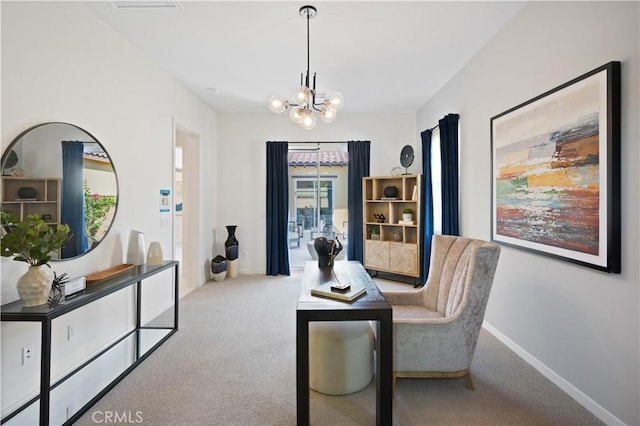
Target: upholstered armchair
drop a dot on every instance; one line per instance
(436, 328)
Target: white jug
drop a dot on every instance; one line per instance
(136, 248)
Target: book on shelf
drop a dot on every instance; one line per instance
(414, 196)
(389, 198)
(352, 293)
(405, 222)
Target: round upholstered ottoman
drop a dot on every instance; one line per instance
(340, 356)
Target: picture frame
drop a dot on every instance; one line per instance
(555, 162)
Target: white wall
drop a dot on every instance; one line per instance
(242, 166)
(578, 325)
(61, 63)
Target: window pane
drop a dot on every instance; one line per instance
(436, 178)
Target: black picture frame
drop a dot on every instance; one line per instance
(555, 180)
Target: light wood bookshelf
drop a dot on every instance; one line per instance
(390, 246)
(46, 202)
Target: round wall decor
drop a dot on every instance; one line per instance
(406, 156)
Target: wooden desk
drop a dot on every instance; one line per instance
(372, 306)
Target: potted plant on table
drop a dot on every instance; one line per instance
(407, 214)
(32, 241)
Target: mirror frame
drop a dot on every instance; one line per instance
(17, 139)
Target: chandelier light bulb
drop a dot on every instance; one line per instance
(303, 95)
(297, 114)
(309, 120)
(328, 115)
(277, 104)
(336, 100)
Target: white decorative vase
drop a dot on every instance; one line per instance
(34, 286)
(136, 248)
(219, 276)
(232, 268)
(155, 256)
(407, 216)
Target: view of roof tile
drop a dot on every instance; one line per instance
(311, 158)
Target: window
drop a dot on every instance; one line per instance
(436, 179)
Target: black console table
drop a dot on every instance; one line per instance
(45, 314)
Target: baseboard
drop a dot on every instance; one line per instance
(588, 403)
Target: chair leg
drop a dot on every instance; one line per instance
(467, 381)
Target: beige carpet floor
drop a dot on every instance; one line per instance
(233, 363)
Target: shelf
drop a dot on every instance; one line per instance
(397, 248)
(46, 202)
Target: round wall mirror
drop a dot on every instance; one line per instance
(62, 173)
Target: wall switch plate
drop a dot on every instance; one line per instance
(70, 410)
(26, 355)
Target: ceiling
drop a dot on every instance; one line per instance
(383, 56)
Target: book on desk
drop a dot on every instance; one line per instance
(331, 290)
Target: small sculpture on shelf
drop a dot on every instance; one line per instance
(379, 217)
(57, 294)
(327, 251)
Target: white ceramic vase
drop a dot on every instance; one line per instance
(136, 248)
(232, 268)
(219, 276)
(154, 255)
(407, 216)
(34, 286)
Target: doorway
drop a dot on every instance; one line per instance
(317, 198)
(186, 201)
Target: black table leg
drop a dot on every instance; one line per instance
(302, 369)
(45, 372)
(384, 371)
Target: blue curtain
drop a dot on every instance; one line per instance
(449, 152)
(72, 210)
(277, 208)
(426, 214)
(358, 168)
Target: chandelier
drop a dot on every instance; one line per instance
(306, 101)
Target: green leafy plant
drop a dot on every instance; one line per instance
(31, 240)
(407, 211)
(96, 210)
(374, 230)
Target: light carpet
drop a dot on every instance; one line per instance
(232, 362)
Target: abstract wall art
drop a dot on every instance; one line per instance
(556, 172)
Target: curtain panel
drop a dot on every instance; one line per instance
(426, 214)
(450, 181)
(72, 209)
(449, 170)
(277, 195)
(359, 163)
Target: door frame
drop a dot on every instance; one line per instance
(190, 143)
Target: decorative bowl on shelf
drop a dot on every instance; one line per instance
(390, 192)
(26, 192)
